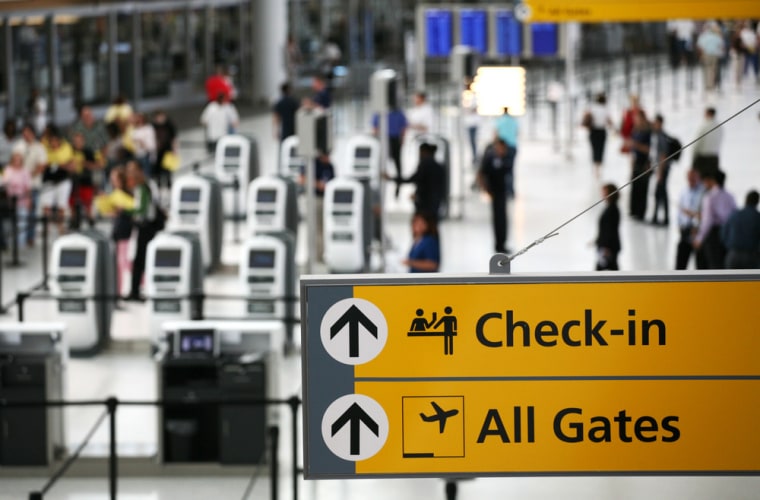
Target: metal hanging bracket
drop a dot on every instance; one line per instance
(500, 264)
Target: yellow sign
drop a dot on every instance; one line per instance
(590, 11)
(671, 426)
(511, 376)
(568, 329)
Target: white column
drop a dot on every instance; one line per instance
(270, 26)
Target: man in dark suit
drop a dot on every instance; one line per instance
(496, 179)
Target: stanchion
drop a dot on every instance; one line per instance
(112, 404)
(293, 402)
(20, 299)
(274, 464)
(236, 209)
(45, 244)
(15, 262)
(35, 495)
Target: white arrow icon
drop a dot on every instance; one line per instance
(353, 331)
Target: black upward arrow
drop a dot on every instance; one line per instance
(355, 416)
(353, 317)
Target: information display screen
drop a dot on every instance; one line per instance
(545, 39)
(343, 196)
(362, 153)
(168, 258)
(196, 342)
(190, 195)
(73, 258)
(437, 33)
(266, 196)
(261, 259)
(473, 29)
(232, 152)
(508, 34)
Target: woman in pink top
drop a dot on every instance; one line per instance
(18, 185)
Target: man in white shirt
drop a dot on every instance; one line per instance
(708, 144)
(35, 161)
(420, 117)
(220, 118)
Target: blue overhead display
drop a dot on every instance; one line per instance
(508, 34)
(545, 39)
(437, 33)
(473, 29)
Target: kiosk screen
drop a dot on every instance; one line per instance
(232, 152)
(266, 196)
(190, 196)
(362, 153)
(343, 196)
(196, 342)
(73, 258)
(168, 258)
(261, 259)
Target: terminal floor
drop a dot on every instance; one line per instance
(550, 190)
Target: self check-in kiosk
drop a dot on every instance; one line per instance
(83, 279)
(272, 206)
(174, 278)
(216, 360)
(362, 160)
(267, 279)
(291, 163)
(347, 227)
(33, 359)
(196, 207)
(236, 163)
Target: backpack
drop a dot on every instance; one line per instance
(673, 148)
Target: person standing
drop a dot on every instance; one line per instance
(166, 142)
(322, 97)
(425, 254)
(709, 140)
(93, 131)
(430, 182)
(420, 115)
(7, 141)
(218, 117)
(741, 235)
(717, 207)
(87, 163)
(121, 231)
(397, 125)
(144, 140)
(660, 149)
(56, 179)
(324, 171)
(471, 119)
(688, 219)
(18, 185)
(598, 119)
(144, 220)
(749, 40)
(640, 145)
(608, 238)
(496, 178)
(284, 113)
(35, 160)
(711, 50)
(628, 122)
(508, 130)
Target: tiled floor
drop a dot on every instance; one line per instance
(550, 190)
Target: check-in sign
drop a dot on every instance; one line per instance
(590, 11)
(519, 375)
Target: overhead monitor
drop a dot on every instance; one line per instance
(508, 34)
(192, 195)
(343, 196)
(545, 39)
(261, 259)
(168, 258)
(72, 258)
(438, 39)
(473, 29)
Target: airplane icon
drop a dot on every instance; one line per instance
(440, 415)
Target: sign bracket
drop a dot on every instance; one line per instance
(500, 264)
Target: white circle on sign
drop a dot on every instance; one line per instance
(523, 12)
(355, 427)
(353, 331)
